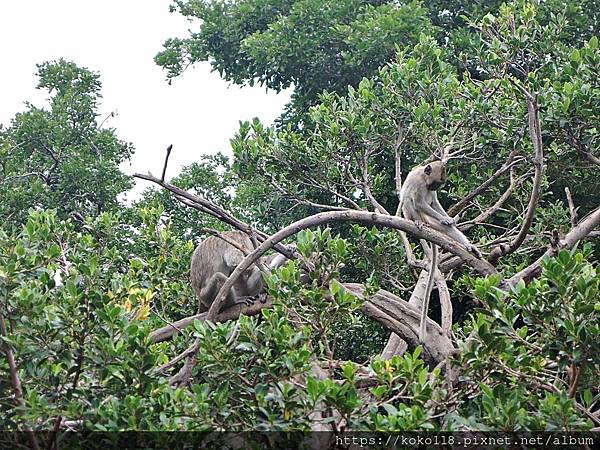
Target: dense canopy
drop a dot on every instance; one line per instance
(98, 319)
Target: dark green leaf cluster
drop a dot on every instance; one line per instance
(59, 157)
(314, 45)
(530, 353)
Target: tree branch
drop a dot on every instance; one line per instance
(585, 228)
(169, 148)
(535, 133)
(572, 209)
(462, 204)
(369, 218)
(208, 207)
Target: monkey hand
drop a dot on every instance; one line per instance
(447, 221)
(419, 224)
(246, 301)
(473, 249)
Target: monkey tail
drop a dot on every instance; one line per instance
(426, 297)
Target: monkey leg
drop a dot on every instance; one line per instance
(454, 233)
(211, 288)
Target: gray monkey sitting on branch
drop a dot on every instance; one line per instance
(419, 203)
(216, 258)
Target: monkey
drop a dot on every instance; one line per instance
(419, 203)
(214, 259)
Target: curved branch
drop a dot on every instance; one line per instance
(482, 267)
(208, 207)
(535, 133)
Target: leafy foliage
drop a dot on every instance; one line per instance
(379, 87)
(314, 45)
(60, 157)
(535, 349)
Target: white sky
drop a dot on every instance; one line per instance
(198, 113)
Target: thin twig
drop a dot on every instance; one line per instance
(572, 209)
(169, 148)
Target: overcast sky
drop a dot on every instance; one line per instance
(198, 113)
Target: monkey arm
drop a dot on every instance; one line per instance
(254, 283)
(438, 207)
(431, 212)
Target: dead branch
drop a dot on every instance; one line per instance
(208, 207)
(585, 228)
(458, 207)
(535, 133)
(164, 171)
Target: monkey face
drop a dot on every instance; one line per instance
(435, 175)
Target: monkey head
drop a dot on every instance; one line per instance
(434, 175)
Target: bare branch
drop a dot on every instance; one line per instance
(404, 319)
(169, 148)
(572, 209)
(484, 215)
(410, 256)
(445, 302)
(208, 207)
(585, 228)
(396, 345)
(437, 238)
(535, 133)
(462, 203)
(304, 201)
(232, 313)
